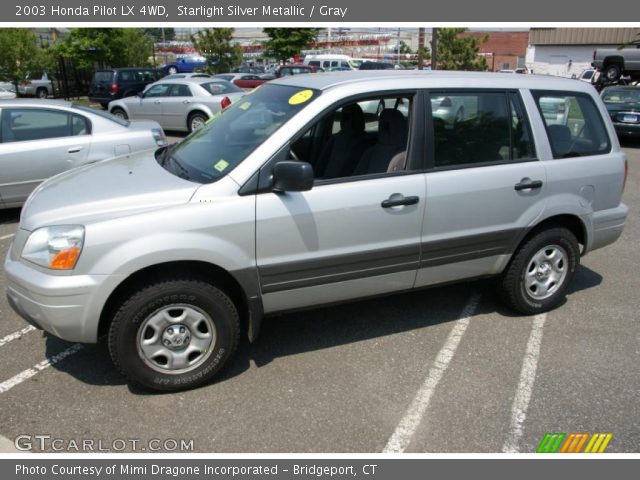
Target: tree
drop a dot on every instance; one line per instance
(457, 52)
(20, 54)
(215, 44)
(156, 34)
(285, 43)
(115, 47)
(404, 48)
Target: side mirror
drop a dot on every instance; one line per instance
(292, 176)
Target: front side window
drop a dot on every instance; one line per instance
(213, 151)
(479, 127)
(573, 123)
(24, 124)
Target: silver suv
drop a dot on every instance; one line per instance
(296, 196)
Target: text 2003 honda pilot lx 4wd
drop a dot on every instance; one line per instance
(316, 189)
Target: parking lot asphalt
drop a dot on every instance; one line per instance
(447, 369)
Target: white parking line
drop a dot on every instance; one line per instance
(525, 385)
(401, 438)
(16, 335)
(4, 237)
(37, 368)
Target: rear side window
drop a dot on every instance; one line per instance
(104, 77)
(180, 91)
(573, 123)
(472, 128)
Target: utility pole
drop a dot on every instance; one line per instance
(434, 48)
(420, 48)
(398, 45)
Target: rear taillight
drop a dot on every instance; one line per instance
(226, 101)
(114, 88)
(626, 172)
(159, 137)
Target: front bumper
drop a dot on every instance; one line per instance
(67, 306)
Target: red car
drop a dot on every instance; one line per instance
(242, 80)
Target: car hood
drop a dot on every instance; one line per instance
(120, 186)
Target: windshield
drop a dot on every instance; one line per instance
(622, 95)
(230, 136)
(103, 114)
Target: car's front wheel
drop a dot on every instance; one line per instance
(174, 335)
(539, 273)
(120, 113)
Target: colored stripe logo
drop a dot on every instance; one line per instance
(574, 443)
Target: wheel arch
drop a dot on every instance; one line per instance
(613, 59)
(569, 221)
(241, 287)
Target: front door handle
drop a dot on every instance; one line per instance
(526, 184)
(399, 201)
(186, 101)
(74, 149)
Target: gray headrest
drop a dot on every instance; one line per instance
(392, 128)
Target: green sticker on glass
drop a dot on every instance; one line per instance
(214, 117)
(221, 165)
(245, 105)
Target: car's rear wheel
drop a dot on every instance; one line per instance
(539, 273)
(120, 113)
(172, 70)
(42, 93)
(174, 335)
(612, 72)
(196, 121)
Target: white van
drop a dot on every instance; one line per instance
(329, 61)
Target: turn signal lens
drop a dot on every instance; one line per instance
(66, 259)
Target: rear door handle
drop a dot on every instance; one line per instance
(74, 149)
(400, 201)
(526, 184)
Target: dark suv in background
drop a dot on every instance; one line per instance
(115, 83)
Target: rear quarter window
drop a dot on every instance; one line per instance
(574, 125)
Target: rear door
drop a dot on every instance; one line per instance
(485, 184)
(38, 143)
(175, 106)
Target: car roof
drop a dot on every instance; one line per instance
(31, 102)
(399, 79)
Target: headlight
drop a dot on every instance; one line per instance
(56, 247)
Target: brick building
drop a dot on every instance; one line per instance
(503, 50)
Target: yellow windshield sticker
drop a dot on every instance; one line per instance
(300, 97)
(214, 117)
(245, 105)
(221, 165)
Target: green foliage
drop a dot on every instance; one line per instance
(215, 44)
(404, 48)
(284, 43)
(20, 54)
(456, 52)
(156, 34)
(114, 47)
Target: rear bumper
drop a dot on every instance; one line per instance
(608, 226)
(627, 129)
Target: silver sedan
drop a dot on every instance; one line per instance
(183, 104)
(41, 138)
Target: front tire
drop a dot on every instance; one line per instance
(536, 279)
(42, 93)
(174, 335)
(120, 113)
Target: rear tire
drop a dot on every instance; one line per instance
(172, 70)
(539, 273)
(42, 92)
(174, 335)
(196, 121)
(612, 72)
(120, 113)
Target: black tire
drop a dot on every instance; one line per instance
(612, 72)
(172, 70)
(198, 116)
(42, 92)
(511, 283)
(118, 112)
(125, 332)
(104, 106)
